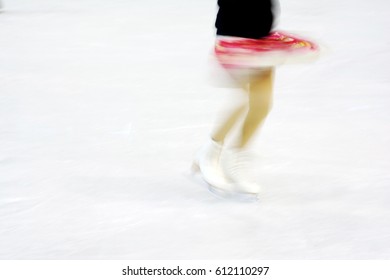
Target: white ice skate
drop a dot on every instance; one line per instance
(207, 163)
(237, 168)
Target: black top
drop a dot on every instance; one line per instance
(244, 18)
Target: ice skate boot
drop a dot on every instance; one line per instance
(207, 163)
(237, 168)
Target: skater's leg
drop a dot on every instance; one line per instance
(222, 131)
(260, 102)
(207, 160)
(257, 106)
(237, 163)
(259, 90)
(241, 78)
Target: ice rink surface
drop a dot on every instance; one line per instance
(103, 103)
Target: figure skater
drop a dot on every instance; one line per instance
(248, 50)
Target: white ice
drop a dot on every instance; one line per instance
(103, 103)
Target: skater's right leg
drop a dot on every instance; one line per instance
(228, 123)
(208, 157)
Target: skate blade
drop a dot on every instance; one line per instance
(196, 176)
(236, 196)
(195, 169)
